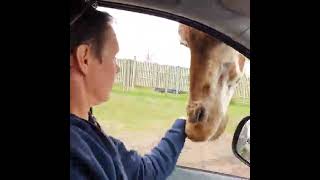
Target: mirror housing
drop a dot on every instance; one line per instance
(241, 141)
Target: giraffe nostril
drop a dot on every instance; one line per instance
(201, 112)
(198, 115)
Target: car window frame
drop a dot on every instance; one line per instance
(193, 23)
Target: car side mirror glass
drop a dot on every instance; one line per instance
(241, 141)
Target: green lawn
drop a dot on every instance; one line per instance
(147, 110)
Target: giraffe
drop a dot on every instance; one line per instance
(215, 71)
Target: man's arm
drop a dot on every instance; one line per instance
(160, 162)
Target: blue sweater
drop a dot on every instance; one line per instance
(93, 155)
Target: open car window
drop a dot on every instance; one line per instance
(151, 91)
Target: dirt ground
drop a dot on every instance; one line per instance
(213, 156)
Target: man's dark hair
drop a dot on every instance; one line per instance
(89, 28)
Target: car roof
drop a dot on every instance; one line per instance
(227, 20)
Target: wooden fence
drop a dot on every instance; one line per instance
(134, 73)
(242, 92)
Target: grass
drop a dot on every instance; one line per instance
(142, 109)
(236, 112)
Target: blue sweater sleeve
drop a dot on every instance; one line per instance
(160, 162)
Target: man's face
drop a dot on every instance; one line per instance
(101, 72)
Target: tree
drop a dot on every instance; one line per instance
(149, 56)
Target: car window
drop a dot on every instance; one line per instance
(151, 91)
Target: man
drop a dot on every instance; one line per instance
(94, 155)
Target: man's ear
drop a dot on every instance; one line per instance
(81, 58)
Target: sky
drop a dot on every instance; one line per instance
(139, 34)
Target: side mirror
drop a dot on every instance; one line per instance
(241, 141)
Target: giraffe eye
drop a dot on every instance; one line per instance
(226, 65)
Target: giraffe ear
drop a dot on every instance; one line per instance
(184, 33)
(242, 60)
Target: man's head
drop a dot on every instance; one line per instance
(93, 47)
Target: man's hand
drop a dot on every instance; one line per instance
(182, 117)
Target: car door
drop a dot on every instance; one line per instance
(186, 173)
